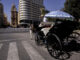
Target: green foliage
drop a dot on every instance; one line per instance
(73, 8)
(43, 11)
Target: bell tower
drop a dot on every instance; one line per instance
(1, 14)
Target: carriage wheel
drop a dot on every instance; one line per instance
(74, 35)
(55, 49)
(58, 54)
(38, 40)
(53, 52)
(63, 55)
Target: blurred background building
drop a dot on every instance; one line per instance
(6, 23)
(14, 16)
(1, 15)
(29, 12)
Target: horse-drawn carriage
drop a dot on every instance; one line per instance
(58, 38)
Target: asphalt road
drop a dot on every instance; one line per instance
(19, 46)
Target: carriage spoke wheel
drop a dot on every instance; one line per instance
(74, 35)
(55, 49)
(63, 55)
(58, 54)
(38, 40)
(54, 52)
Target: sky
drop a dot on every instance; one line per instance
(50, 5)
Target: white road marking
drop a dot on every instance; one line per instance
(13, 52)
(11, 40)
(1, 46)
(34, 55)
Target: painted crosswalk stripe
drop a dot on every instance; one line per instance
(1, 46)
(13, 52)
(34, 55)
(8, 40)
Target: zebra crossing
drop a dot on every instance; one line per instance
(20, 47)
(1, 45)
(13, 52)
(32, 52)
(22, 50)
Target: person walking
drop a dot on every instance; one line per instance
(31, 31)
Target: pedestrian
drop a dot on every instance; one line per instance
(31, 31)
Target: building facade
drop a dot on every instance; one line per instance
(29, 11)
(1, 15)
(5, 20)
(14, 16)
(6, 23)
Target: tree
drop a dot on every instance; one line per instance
(73, 8)
(43, 11)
